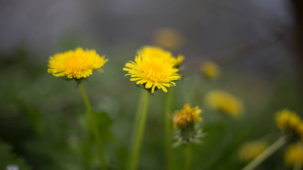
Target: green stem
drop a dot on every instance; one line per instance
(94, 127)
(265, 154)
(136, 123)
(187, 157)
(139, 133)
(168, 130)
(297, 165)
(137, 118)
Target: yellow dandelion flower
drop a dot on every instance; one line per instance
(186, 117)
(169, 38)
(210, 70)
(250, 150)
(75, 64)
(293, 153)
(290, 124)
(225, 102)
(153, 73)
(158, 53)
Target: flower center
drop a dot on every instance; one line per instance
(156, 71)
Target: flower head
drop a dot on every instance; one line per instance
(225, 102)
(210, 70)
(186, 117)
(158, 53)
(290, 124)
(186, 127)
(76, 64)
(250, 150)
(153, 73)
(169, 38)
(293, 153)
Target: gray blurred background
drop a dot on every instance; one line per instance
(213, 28)
(209, 25)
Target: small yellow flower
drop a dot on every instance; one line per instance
(225, 102)
(210, 70)
(169, 38)
(153, 73)
(158, 53)
(250, 150)
(293, 153)
(186, 117)
(75, 64)
(290, 124)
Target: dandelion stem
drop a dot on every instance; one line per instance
(137, 119)
(187, 157)
(265, 154)
(298, 165)
(139, 133)
(168, 130)
(94, 127)
(136, 123)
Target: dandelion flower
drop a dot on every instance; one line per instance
(185, 124)
(210, 70)
(169, 38)
(225, 102)
(293, 153)
(186, 117)
(290, 124)
(153, 73)
(158, 53)
(250, 150)
(76, 64)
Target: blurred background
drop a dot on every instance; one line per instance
(43, 126)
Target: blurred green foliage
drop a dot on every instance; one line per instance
(10, 159)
